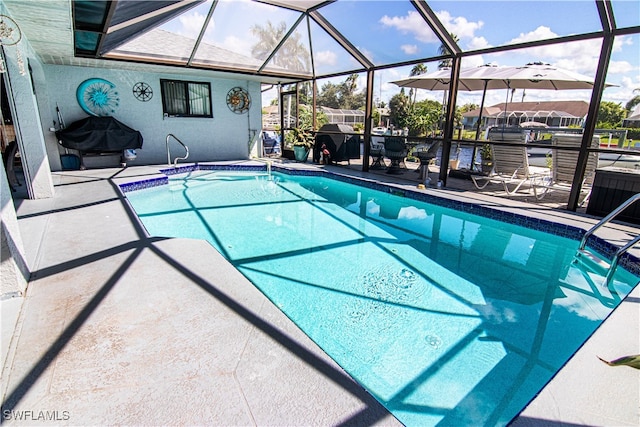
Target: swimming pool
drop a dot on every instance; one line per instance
(446, 317)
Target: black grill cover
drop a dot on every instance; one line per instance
(99, 135)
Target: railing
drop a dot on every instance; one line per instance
(614, 261)
(268, 163)
(175, 161)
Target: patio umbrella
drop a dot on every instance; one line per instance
(535, 75)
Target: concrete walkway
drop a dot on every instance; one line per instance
(118, 329)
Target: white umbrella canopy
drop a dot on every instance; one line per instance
(531, 76)
(471, 79)
(541, 76)
(536, 75)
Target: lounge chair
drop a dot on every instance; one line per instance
(564, 165)
(511, 165)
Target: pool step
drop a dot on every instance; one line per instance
(592, 261)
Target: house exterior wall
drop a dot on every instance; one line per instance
(226, 136)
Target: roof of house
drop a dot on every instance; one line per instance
(574, 108)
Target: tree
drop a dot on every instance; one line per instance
(423, 117)
(633, 102)
(329, 95)
(417, 70)
(445, 63)
(399, 108)
(442, 50)
(292, 55)
(610, 115)
(342, 95)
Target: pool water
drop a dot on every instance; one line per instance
(445, 317)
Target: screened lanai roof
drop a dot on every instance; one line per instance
(293, 40)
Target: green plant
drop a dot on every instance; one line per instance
(485, 152)
(302, 137)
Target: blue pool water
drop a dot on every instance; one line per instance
(445, 317)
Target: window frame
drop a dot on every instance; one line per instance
(185, 84)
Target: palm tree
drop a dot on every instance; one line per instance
(292, 55)
(416, 71)
(442, 50)
(631, 104)
(445, 63)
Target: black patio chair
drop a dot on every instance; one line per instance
(395, 149)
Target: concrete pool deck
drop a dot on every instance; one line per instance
(117, 328)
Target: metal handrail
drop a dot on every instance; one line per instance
(608, 218)
(175, 161)
(614, 261)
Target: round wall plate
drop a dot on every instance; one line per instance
(98, 97)
(238, 100)
(142, 91)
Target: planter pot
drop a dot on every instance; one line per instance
(454, 164)
(301, 153)
(288, 154)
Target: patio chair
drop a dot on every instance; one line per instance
(511, 168)
(395, 149)
(376, 152)
(564, 165)
(270, 144)
(426, 153)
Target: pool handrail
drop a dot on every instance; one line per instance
(614, 261)
(175, 162)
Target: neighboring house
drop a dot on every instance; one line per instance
(343, 117)
(551, 113)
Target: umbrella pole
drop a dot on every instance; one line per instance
(506, 105)
(475, 146)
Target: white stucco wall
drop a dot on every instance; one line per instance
(226, 136)
(14, 271)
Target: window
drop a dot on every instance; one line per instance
(186, 99)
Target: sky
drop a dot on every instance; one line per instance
(392, 31)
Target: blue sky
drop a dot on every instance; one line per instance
(392, 31)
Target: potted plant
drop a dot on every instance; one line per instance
(302, 143)
(486, 158)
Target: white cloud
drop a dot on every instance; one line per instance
(411, 212)
(478, 43)
(409, 49)
(412, 23)
(239, 45)
(191, 24)
(620, 67)
(326, 57)
(540, 33)
(459, 25)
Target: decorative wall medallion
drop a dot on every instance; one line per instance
(142, 91)
(98, 97)
(10, 33)
(238, 100)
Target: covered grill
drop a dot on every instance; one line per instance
(99, 135)
(339, 142)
